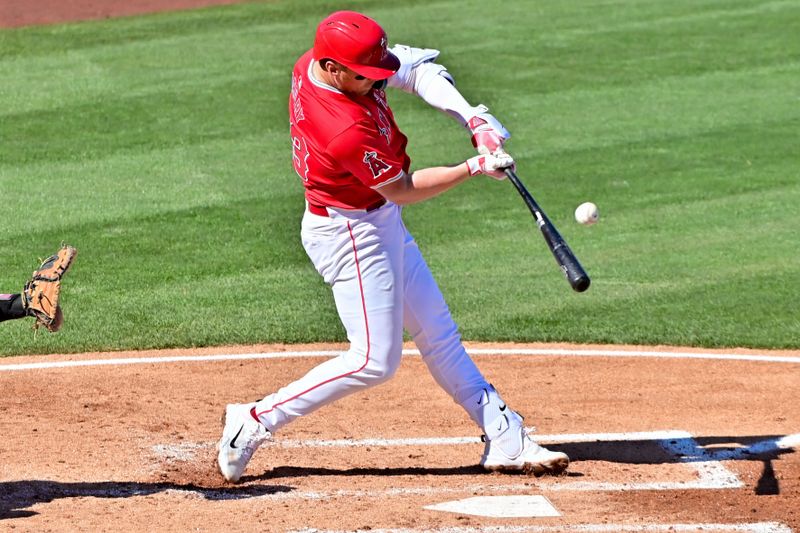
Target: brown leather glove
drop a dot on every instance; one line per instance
(40, 296)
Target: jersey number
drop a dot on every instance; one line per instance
(300, 157)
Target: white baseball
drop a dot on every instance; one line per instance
(587, 213)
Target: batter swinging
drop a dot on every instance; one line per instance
(351, 158)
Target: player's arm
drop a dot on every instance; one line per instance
(363, 154)
(429, 182)
(420, 75)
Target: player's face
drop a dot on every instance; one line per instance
(352, 83)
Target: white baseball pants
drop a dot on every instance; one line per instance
(381, 284)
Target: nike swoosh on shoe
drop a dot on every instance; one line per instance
(233, 440)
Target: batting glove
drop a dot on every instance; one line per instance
(488, 135)
(493, 165)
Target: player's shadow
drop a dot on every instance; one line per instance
(762, 448)
(17, 497)
(305, 471)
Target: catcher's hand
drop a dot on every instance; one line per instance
(40, 295)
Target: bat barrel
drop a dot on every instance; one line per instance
(576, 276)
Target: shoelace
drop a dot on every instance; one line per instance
(253, 439)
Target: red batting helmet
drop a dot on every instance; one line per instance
(357, 42)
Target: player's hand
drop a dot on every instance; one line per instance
(488, 135)
(493, 165)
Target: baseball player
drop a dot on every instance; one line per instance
(40, 296)
(351, 158)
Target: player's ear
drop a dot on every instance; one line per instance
(329, 65)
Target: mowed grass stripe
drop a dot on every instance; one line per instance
(133, 184)
(164, 141)
(78, 36)
(152, 68)
(648, 16)
(140, 123)
(601, 117)
(688, 105)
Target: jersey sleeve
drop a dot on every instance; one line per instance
(365, 153)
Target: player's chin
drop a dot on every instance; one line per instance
(356, 92)
(364, 88)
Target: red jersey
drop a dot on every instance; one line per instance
(344, 147)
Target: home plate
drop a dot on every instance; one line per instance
(499, 506)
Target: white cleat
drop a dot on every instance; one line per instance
(533, 459)
(241, 437)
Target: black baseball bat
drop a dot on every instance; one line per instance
(572, 269)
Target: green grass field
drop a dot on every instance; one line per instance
(158, 146)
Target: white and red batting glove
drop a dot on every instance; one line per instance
(488, 135)
(493, 165)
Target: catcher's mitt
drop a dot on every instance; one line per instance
(40, 296)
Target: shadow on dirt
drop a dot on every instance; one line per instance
(675, 450)
(301, 471)
(762, 448)
(17, 497)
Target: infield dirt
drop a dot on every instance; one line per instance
(136, 442)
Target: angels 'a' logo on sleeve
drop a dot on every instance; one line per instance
(375, 164)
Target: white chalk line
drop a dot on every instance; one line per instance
(185, 451)
(448, 441)
(755, 527)
(328, 353)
